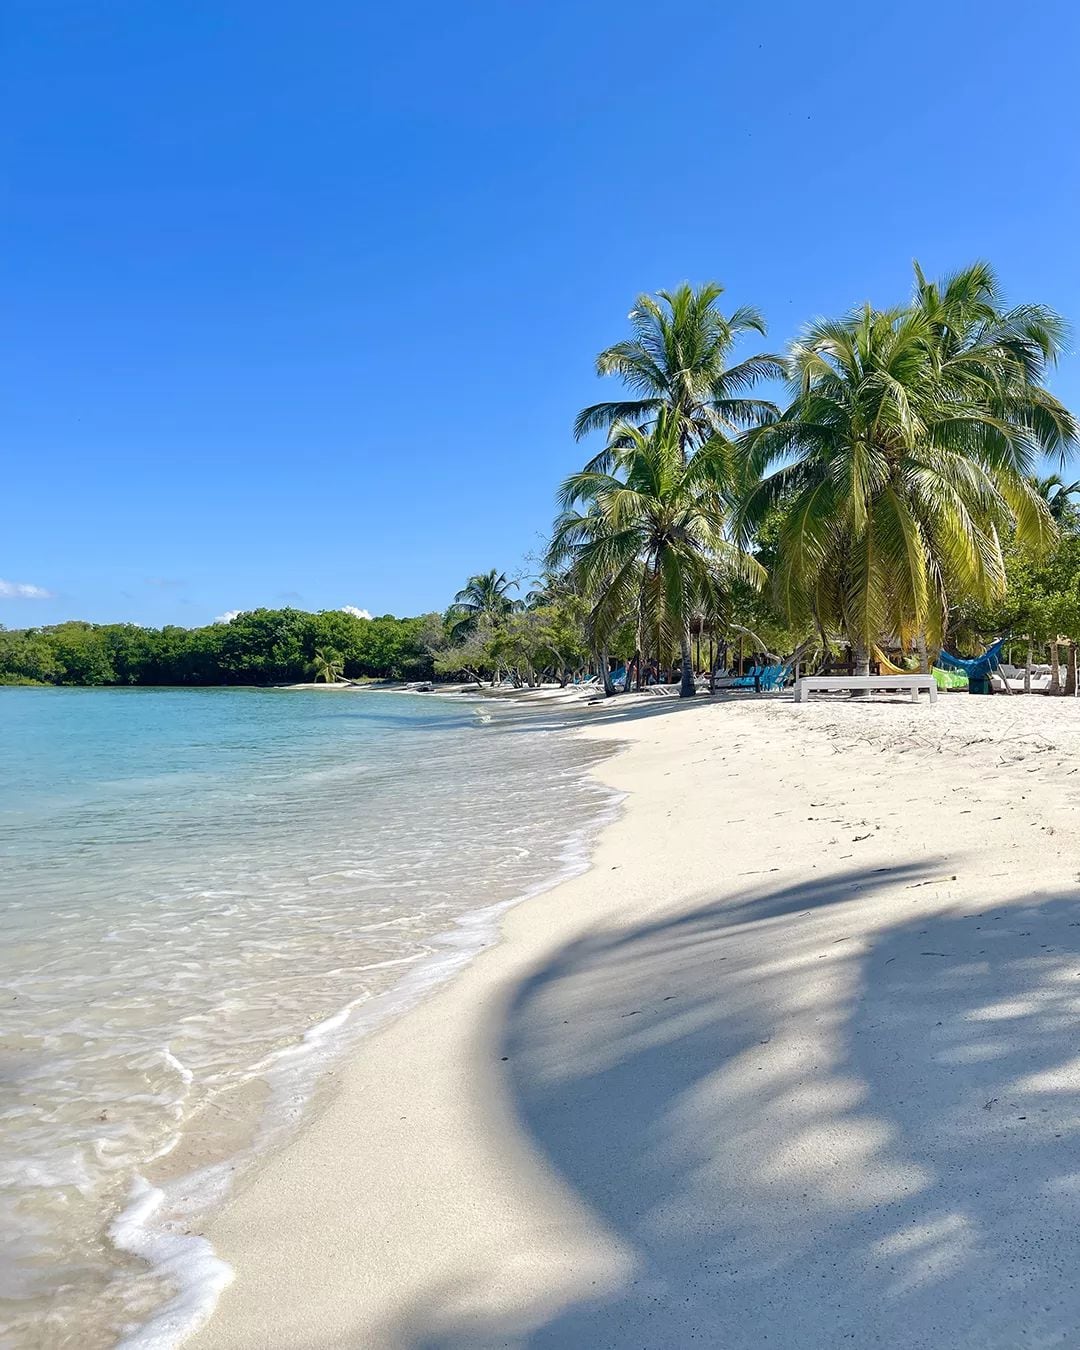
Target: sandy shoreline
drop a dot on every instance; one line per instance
(793, 1063)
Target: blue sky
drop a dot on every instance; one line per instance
(301, 300)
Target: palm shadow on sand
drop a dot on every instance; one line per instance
(873, 1146)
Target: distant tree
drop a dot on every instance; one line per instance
(471, 655)
(1058, 496)
(327, 666)
(81, 654)
(29, 657)
(259, 647)
(265, 646)
(395, 648)
(483, 598)
(132, 651)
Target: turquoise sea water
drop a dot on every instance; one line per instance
(204, 896)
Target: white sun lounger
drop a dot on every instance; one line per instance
(828, 684)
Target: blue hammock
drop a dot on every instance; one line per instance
(975, 667)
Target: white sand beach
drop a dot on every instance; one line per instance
(795, 1064)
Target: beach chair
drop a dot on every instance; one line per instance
(750, 680)
(776, 677)
(767, 678)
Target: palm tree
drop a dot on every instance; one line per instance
(1002, 356)
(677, 361)
(1058, 495)
(327, 665)
(551, 589)
(484, 599)
(647, 534)
(903, 455)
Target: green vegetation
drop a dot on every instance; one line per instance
(265, 646)
(894, 500)
(876, 501)
(904, 455)
(483, 603)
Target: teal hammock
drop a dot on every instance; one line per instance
(974, 667)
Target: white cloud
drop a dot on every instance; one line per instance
(228, 616)
(23, 590)
(356, 613)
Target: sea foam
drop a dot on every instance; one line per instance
(215, 889)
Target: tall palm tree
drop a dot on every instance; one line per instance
(1000, 357)
(677, 360)
(901, 459)
(327, 666)
(648, 535)
(484, 598)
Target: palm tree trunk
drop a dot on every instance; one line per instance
(639, 636)
(1055, 673)
(1070, 672)
(1027, 668)
(860, 657)
(687, 687)
(605, 671)
(924, 667)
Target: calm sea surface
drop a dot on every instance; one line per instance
(204, 896)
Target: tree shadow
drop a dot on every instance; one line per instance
(867, 1139)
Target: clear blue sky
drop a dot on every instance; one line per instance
(301, 299)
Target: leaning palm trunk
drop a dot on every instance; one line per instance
(687, 687)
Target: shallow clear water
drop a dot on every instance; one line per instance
(203, 895)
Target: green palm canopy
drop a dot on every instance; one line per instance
(327, 665)
(1059, 497)
(484, 598)
(907, 447)
(646, 535)
(677, 361)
